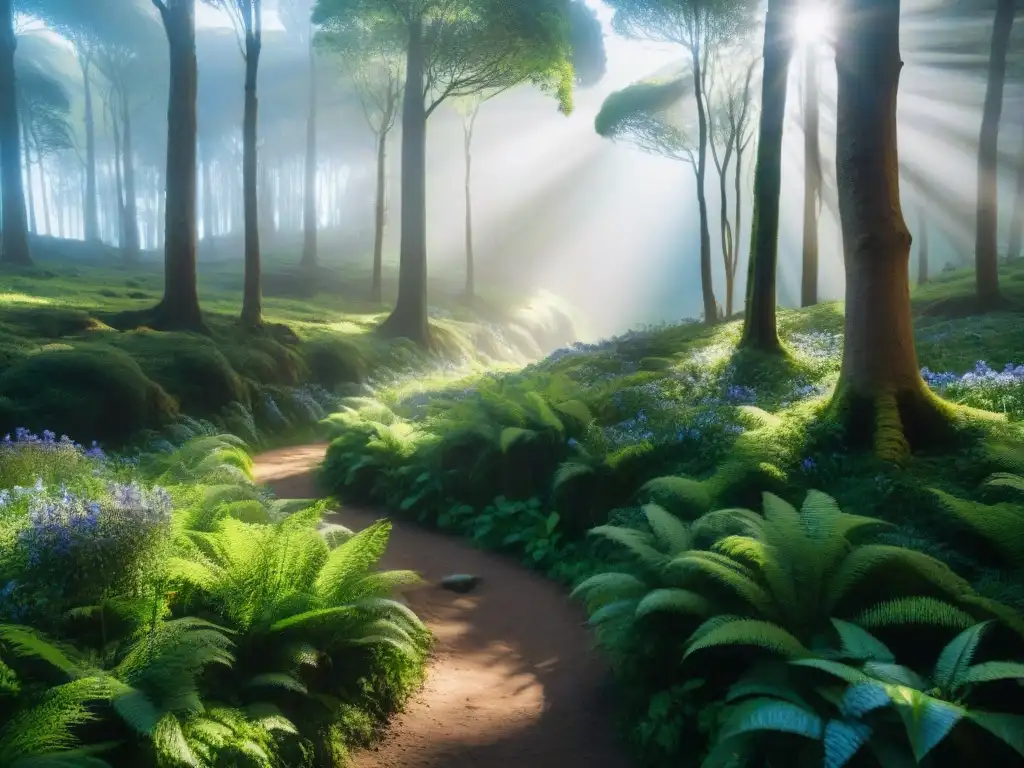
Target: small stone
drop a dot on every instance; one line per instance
(460, 582)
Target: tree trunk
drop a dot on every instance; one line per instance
(880, 387)
(922, 247)
(812, 179)
(132, 246)
(377, 287)
(30, 195)
(737, 237)
(119, 188)
(179, 309)
(252, 312)
(309, 212)
(759, 326)
(44, 196)
(986, 248)
(209, 219)
(1013, 249)
(92, 221)
(409, 318)
(707, 288)
(467, 149)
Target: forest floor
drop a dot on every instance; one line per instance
(513, 680)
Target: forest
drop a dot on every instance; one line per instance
(489, 383)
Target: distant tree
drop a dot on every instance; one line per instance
(454, 48)
(45, 110)
(812, 177)
(986, 251)
(373, 59)
(297, 17)
(880, 381)
(247, 19)
(922, 246)
(731, 100)
(759, 324)
(701, 29)
(179, 309)
(14, 246)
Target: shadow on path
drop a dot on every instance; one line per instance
(514, 679)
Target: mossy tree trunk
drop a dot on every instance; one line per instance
(1013, 249)
(759, 325)
(812, 179)
(14, 246)
(986, 243)
(252, 299)
(309, 217)
(179, 309)
(409, 317)
(880, 383)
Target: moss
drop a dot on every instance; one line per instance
(189, 367)
(92, 392)
(333, 362)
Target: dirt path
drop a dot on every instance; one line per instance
(514, 681)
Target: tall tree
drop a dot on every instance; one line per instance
(759, 324)
(699, 27)
(922, 246)
(454, 48)
(812, 177)
(247, 18)
(880, 381)
(14, 246)
(296, 15)
(986, 248)
(468, 109)
(372, 57)
(179, 309)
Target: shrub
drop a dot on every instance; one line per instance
(95, 391)
(333, 362)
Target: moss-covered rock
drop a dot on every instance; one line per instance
(92, 392)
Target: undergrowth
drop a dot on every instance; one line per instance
(674, 420)
(167, 611)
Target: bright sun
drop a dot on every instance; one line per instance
(813, 23)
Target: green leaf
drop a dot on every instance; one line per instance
(673, 601)
(766, 714)
(861, 698)
(761, 634)
(843, 740)
(1009, 729)
(844, 672)
(927, 720)
(989, 671)
(858, 643)
(956, 657)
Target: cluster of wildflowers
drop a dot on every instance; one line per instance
(26, 454)
(983, 387)
(820, 345)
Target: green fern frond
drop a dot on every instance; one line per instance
(681, 601)
(844, 672)
(671, 532)
(682, 496)
(639, 544)
(858, 643)
(766, 714)
(614, 612)
(956, 657)
(277, 680)
(172, 746)
(513, 436)
(752, 632)
(1001, 524)
(714, 525)
(728, 574)
(603, 588)
(843, 740)
(542, 413)
(569, 471)
(1008, 728)
(743, 549)
(26, 642)
(927, 720)
(1006, 480)
(895, 674)
(915, 610)
(350, 563)
(577, 411)
(47, 729)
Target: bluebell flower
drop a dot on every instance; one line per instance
(808, 464)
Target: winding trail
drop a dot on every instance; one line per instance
(514, 681)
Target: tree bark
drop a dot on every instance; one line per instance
(179, 309)
(986, 247)
(30, 195)
(812, 179)
(122, 223)
(759, 325)
(377, 286)
(252, 312)
(309, 213)
(14, 246)
(44, 196)
(880, 382)
(922, 247)
(1013, 249)
(132, 244)
(209, 211)
(737, 236)
(409, 318)
(92, 221)
(707, 288)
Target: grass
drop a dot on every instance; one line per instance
(64, 361)
(529, 461)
